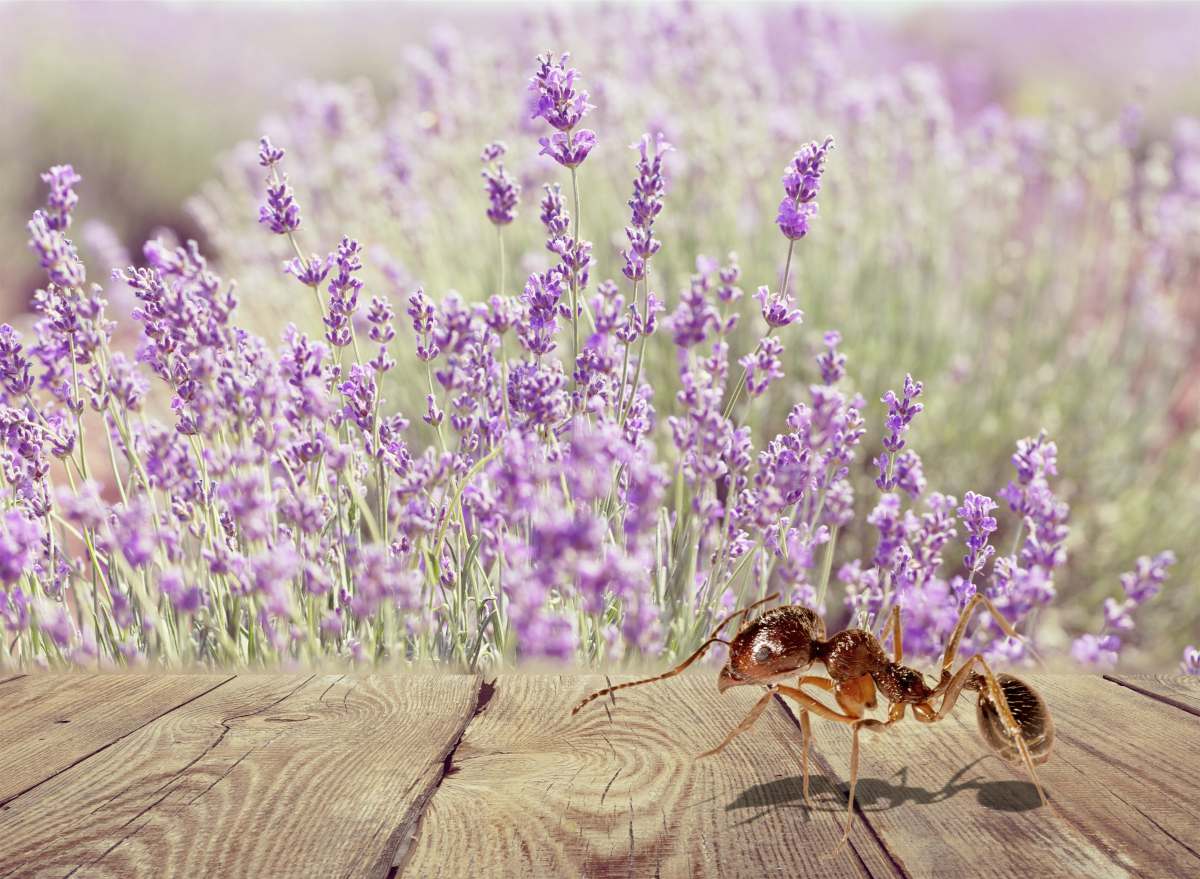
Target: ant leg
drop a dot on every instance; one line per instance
(853, 784)
(895, 714)
(753, 716)
(744, 612)
(960, 627)
(806, 729)
(744, 725)
(712, 639)
(1014, 728)
(806, 736)
(952, 689)
(824, 683)
(811, 704)
(997, 694)
(893, 621)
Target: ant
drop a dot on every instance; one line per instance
(783, 642)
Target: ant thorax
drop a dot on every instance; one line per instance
(850, 654)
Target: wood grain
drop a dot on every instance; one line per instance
(274, 775)
(51, 722)
(1122, 781)
(1182, 691)
(616, 791)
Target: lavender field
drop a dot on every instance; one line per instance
(562, 346)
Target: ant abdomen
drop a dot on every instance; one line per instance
(1031, 714)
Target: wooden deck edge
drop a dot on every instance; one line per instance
(108, 745)
(408, 831)
(10, 678)
(1157, 697)
(887, 855)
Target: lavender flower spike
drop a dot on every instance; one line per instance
(901, 412)
(502, 190)
(1143, 582)
(801, 183)
(976, 513)
(646, 204)
(280, 214)
(557, 101)
(62, 199)
(831, 361)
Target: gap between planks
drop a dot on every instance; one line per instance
(410, 826)
(1157, 696)
(826, 768)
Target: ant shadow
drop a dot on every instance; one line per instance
(882, 795)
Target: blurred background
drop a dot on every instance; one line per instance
(1012, 214)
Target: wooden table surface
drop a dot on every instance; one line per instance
(457, 776)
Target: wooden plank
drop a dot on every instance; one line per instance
(52, 721)
(273, 775)
(617, 791)
(1122, 780)
(4, 679)
(1182, 691)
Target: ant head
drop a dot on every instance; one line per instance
(776, 645)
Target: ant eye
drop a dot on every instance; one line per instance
(762, 654)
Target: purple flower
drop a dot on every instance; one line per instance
(14, 610)
(901, 412)
(15, 375)
(908, 474)
(762, 366)
(54, 620)
(802, 177)
(134, 531)
(1144, 581)
(801, 183)
(268, 153)
(56, 254)
(20, 539)
(975, 513)
(310, 272)
(502, 190)
(1096, 651)
(646, 204)
(793, 218)
(777, 309)
(281, 213)
(832, 362)
(554, 214)
(343, 293)
(1191, 661)
(568, 149)
(186, 599)
(424, 323)
(892, 532)
(557, 101)
(62, 199)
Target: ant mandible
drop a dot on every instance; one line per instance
(783, 642)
